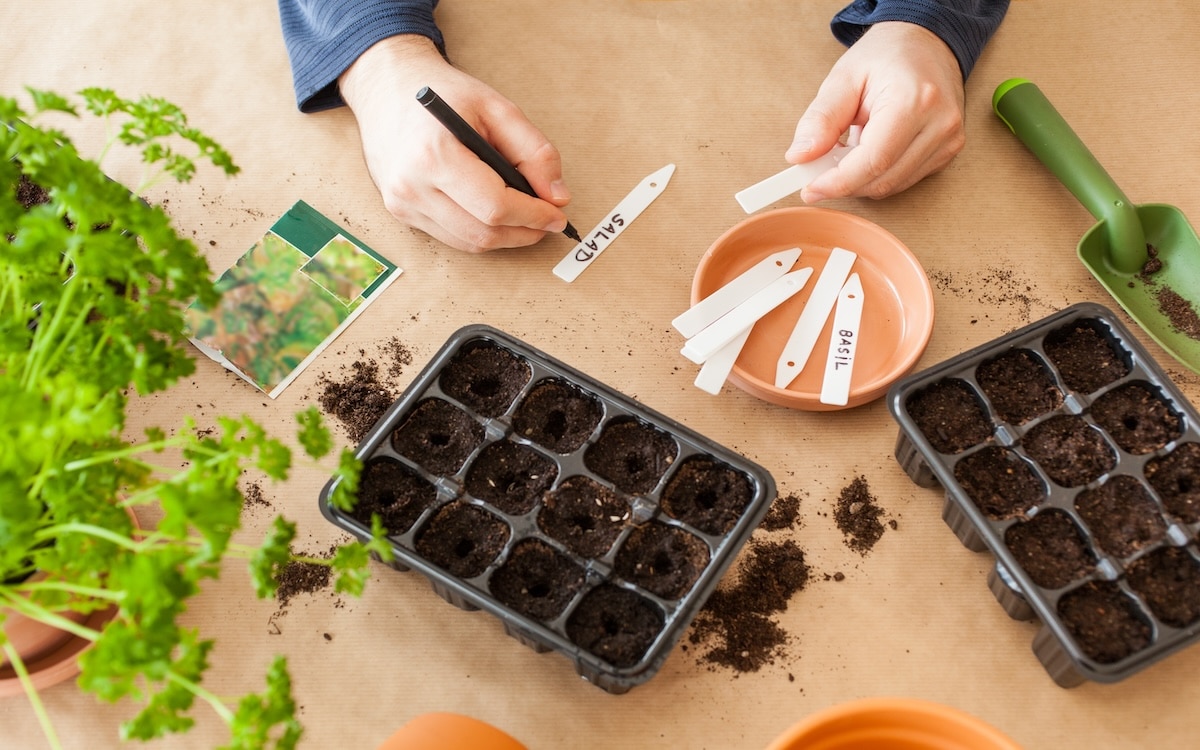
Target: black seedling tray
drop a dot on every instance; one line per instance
(588, 523)
(1123, 528)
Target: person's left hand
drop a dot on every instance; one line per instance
(903, 86)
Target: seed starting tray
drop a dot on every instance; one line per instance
(1054, 644)
(638, 500)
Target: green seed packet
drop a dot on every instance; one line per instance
(288, 297)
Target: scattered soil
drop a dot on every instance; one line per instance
(1069, 450)
(438, 436)
(510, 477)
(557, 415)
(1168, 580)
(485, 378)
(361, 394)
(632, 455)
(615, 624)
(664, 560)
(1137, 419)
(1051, 549)
(783, 514)
(584, 515)
(462, 539)
(857, 515)
(734, 629)
(30, 194)
(393, 491)
(1000, 483)
(1179, 311)
(1086, 358)
(1104, 622)
(707, 494)
(1176, 479)
(1019, 386)
(254, 497)
(299, 577)
(537, 580)
(948, 413)
(1121, 515)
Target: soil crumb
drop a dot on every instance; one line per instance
(254, 497)
(299, 577)
(735, 629)
(360, 393)
(784, 512)
(857, 516)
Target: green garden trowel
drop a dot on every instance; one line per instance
(1162, 300)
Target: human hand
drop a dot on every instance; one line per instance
(427, 178)
(904, 87)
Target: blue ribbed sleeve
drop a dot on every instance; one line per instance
(964, 25)
(324, 37)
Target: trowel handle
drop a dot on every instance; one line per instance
(1030, 115)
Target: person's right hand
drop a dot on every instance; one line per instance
(428, 179)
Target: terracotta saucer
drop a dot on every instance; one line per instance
(897, 318)
(57, 663)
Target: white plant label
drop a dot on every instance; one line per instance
(705, 312)
(843, 343)
(812, 318)
(730, 325)
(598, 240)
(781, 185)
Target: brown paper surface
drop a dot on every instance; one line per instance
(624, 87)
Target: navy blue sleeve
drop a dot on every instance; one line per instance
(324, 37)
(964, 25)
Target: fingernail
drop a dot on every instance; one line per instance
(800, 146)
(559, 192)
(556, 226)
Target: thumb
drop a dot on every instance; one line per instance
(822, 124)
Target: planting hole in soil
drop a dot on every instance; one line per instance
(1107, 624)
(438, 435)
(557, 416)
(537, 580)
(1019, 386)
(949, 415)
(1050, 548)
(485, 378)
(1176, 479)
(662, 559)
(632, 455)
(1138, 419)
(393, 491)
(1121, 515)
(615, 624)
(1086, 357)
(1000, 483)
(1069, 450)
(510, 477)
(707, 495)
(584, 515)
(1168, 580)
(462, 539)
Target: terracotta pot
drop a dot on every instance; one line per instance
(892, 724)
(447, 731)
(50, 655)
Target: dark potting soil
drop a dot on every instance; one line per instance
(510, 477)
(1168, 580)
(1069, 450)
(734, 629)
(363, 391)
(557, 415)
(1104, 622)
(857, 516)
(1136, 418)
(537, 580)
(1121, 515)
(999, 482)
(462, 539)
(783, 513)
(485, 377)
(707, 494)
(664, 560)
(302, 577)
(438, 435)
(1176, 479)
(1019, 386)
(393, 491)
(1179, 311)
(949, 415)
(1050, 548)
(615, 624)
(1085, 358)
(584, 515)
(30, 194)
(632, 455)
